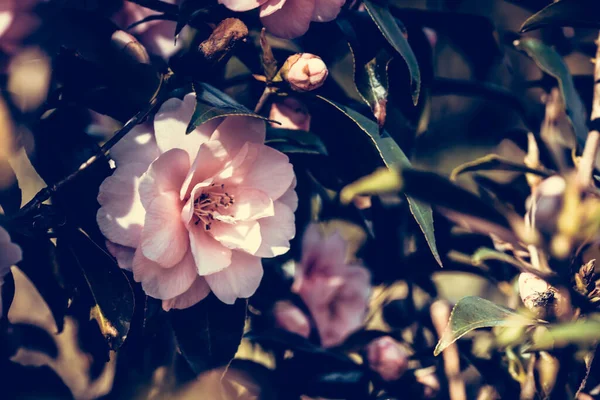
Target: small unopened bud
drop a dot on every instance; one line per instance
(130, 46)
(291, 114)
(304, 72)
(543, 299)
(291, 318)
(547, 203)
(387, 358)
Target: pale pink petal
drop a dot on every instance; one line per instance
(137, 146)
(242, 235)
(187, 212)
(290, 197)
(276, 232)
(292, 20)
(210, 159)
(198, 291)
(123, 254)
(170, 124)
(121, 215)
(159, 39)
(270, 7)
(332, 250)
(165, 237)
(10, 253)
(251, 204)
(235, 131)
(270, 172)
(238, 167)
(311, 239)
(164, 283)
(6, 19)
(239, 280)
(210, 255)
(242, 5)
(327, 10)
(165, 174)
(291, 318)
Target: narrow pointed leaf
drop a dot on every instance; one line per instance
(575, 13)
(494, 162)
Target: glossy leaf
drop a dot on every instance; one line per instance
(209, 333)
(494, 162)
(473, 312)
(552, 63)
(211, 103)
(388, 26)
(40, 265)
(112, 299)
(295, 141)
(391, 154)
(574, 13)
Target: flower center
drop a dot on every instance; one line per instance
(214, 200)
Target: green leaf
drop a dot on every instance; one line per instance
(494, 162)
(552, 63)
(585, 333)
(211, 103)
(112, 301)
(391, 154)
(210, 332)
(575, 13)
(473, 312)
(484, 254)
(388, 26)
(295, 141)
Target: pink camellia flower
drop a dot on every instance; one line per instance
(10, 254)
(291, 114)
(17, 21)
(289, 18)
(304, 72)
(157, 36)
(336, 292)
(291, 318)
(189, 214)
(387, 358)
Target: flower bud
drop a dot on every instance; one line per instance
(291, 318)
(546, 204)
(387, 358)
(130, 47)
(544, 300)
(291, 114)
(304, 72)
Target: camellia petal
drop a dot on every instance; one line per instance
(210, 255)
(242, 5)
(239, 280)
(276, 231)
(138, 146)
(164, 283)
(242, 235)
(198, 291)
(236, 131)
(327, 10)
(165, 174)
(292, 20)
(164, 238)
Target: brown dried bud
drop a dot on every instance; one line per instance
(304, 72)
(544, 300)
(130, 46)
(218, 47)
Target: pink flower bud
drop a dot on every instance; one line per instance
(291, 318)
(291, 114)
(304, 72)
(387, 358)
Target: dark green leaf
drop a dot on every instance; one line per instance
(391, 31)
(30, 337)
(112, 299)
(575, 13)
(473, 312)
(211, 103)
(494, 162)
(40, 265)
(371, 81)
(210, 332)
(391, 154)
(552, 63)
(295, 141)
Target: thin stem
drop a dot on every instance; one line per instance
(48, 191)
(588, 158)
(263, 99)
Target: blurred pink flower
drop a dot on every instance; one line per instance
(291, 318)
(387, 358)
(304, 72)
(157, 36)
(291, 114)
(336, 292)
(10, 254)
(17, 21)
(289, 18)
(189, 214)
